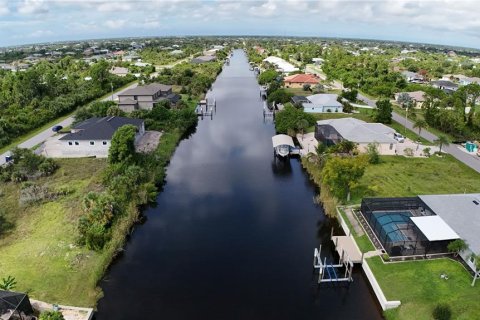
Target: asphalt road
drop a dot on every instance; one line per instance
(47, 133)
(468, 159)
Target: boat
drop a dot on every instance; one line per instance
(282, 145)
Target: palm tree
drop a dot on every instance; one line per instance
(420, 124)
(302, 124)
(8, 283)
(442, 141)
(321, 151)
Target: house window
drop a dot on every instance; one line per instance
(472, 259)
(76, 143)
(92, 143)
(391, 146)
(104, 143)
(70, 143)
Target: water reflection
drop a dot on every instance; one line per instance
(233, 234)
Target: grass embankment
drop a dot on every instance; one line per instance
(418, 285)
(40, 249)
(398, 176)
(363, 242)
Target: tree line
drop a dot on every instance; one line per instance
(48, 90)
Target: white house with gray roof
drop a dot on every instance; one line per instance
(322, 103)
(91, 138)
(332, 131)
(462, 213)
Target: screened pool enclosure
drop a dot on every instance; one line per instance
(398, 225)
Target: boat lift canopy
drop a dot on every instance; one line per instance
(282, 139)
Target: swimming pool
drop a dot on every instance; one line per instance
(387, 225)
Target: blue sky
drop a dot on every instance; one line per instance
(433, 21)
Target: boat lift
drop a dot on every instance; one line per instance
(329, 272)
(267, 113)
(206, 108)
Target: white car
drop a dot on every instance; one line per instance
(397, 136)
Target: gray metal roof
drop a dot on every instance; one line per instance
(99, 128)
(360, 131)
(461, 213)
(148, 90)
(325, 99)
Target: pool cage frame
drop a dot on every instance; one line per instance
(415, 242)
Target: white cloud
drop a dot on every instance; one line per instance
(115, 24)
(32, 7)
(431, 20)
(4, 10)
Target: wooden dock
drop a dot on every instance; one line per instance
(346, 246)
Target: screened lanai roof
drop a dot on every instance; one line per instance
(282, 139)
(434, 228)
(14, 305)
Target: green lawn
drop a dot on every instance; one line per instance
(363, 242)
(398, 176)
(417, 284)
(40, 249)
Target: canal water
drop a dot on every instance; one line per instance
(233, 234)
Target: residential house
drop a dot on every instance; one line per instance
(321, 103)
(418, 97)
(445, 85)
(92, 137)
(299, 80)
(282, 65)
(426, 224)
(332, 131)
(467, 80)
(144, 97)
(119, 71)
(413, 77)
(204, 59)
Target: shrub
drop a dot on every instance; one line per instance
(373, 154)
(442, 312)
(408, 152)
(385, 257)
(96, 237)
(51, 315)
(426, 152)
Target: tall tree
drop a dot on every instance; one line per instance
(420, 124)
(342, 174)
(384, 111)
(442, 141)
(122, 148)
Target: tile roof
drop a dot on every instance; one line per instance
(301, 78)
(100, 128)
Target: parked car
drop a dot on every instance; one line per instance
(397, 136)
(57, 128)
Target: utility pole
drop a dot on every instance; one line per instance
(111, 85)
(406, 117)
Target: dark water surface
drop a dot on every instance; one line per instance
(233, 234)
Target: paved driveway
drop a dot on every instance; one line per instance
(47, 133)
(470, 160)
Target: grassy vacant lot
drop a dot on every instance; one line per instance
(398, 176)
(38, 246)
(417, 284)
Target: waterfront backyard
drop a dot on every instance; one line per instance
(420, 287)
(38, 242)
